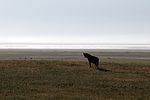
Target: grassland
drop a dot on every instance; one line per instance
(73, 80)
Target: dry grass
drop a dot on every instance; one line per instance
(64, 80)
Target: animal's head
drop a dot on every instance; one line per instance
(85, 54)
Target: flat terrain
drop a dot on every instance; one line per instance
(73, 55)
(116, 79)
(64, 75)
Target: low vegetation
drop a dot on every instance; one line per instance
(73, 80)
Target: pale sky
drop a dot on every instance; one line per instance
(75, 21)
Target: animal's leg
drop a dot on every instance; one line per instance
(96, 65)
(89, 64)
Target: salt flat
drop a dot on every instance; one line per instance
(68, 54)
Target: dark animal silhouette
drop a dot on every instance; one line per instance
(92, 59)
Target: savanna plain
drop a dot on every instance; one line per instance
(65, 75)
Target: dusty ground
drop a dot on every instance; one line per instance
(73, 55)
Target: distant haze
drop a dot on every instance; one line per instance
(142, 47)
(75, 21)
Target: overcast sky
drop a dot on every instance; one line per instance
(75, 21)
